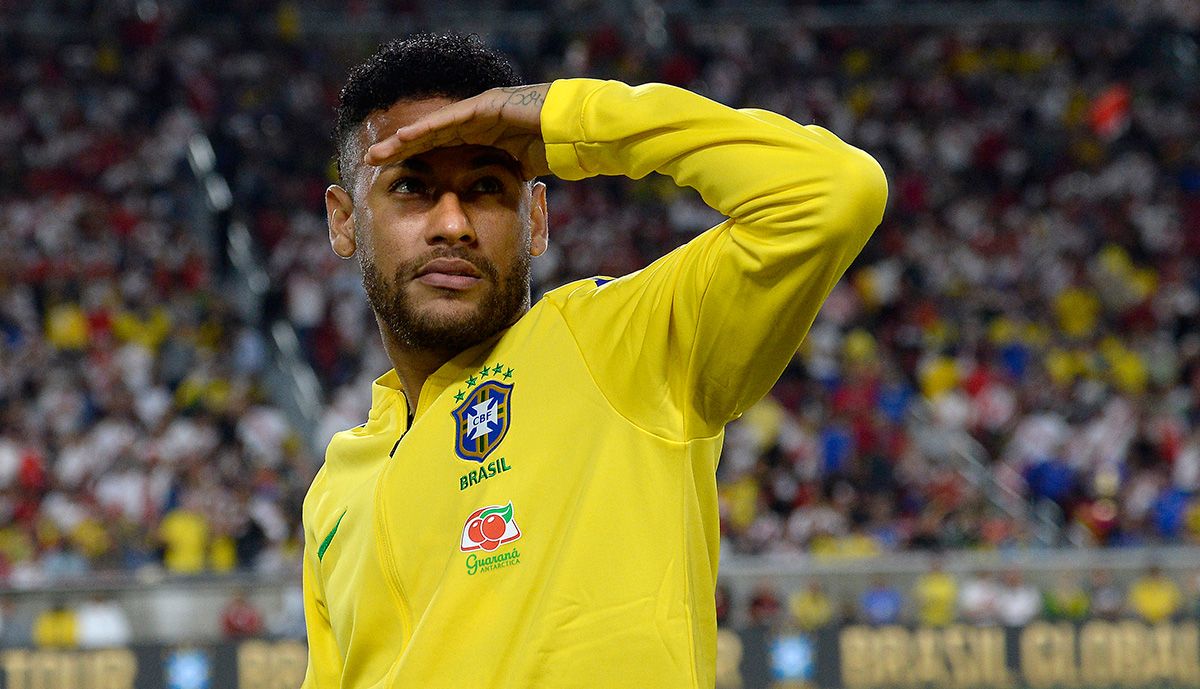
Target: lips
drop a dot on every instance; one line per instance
(449, 273)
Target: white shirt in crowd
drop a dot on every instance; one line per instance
(102, 623)
(1017, 603)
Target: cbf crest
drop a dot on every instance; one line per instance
(482, 420)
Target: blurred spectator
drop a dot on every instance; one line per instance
(935, 595)
(59, 561)
(1108, 600)
(764, 606)
(729, 644)
(1192, 604)
(757, 636)
(978, 598)
(723, 604)
(56, 627)
(881, 603)
(222, 553)
(1067, 600)
(288, 620)
(102, 623)
(6, 622)
(1155, 597)
(1017, 602)
(241, 619)
(185, 537)
(811, 608)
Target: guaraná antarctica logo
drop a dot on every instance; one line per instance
(486, 530)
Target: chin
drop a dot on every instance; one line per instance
(454, 328)
(449, 313)
(451, 321)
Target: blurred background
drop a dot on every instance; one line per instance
(986, 454)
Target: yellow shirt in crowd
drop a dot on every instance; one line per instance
(56, 628)
(1155, 598)
(936, 595)
(185, 535)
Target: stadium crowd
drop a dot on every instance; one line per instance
(134, 428)
(1035, 285)
(939, 598)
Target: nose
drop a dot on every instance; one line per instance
(448, 222)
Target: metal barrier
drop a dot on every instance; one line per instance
(185, 609)
(967, 456)
(845, 579)
(290, 380)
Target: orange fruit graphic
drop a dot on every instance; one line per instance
(493, 527)
(475, 531)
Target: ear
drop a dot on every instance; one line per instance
(339, 212)
(539, 229)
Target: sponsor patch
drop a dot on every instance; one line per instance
(488, 528)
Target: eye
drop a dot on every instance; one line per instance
(408, 185)
(487, 185)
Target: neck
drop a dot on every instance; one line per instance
(413, 366)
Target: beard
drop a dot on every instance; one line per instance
(405, 319)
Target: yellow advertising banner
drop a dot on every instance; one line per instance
(1040, 656)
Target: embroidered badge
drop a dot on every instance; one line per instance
(482, 420)
(489, 528)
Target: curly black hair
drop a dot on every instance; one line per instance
(421, 66)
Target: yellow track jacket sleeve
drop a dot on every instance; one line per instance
(707, 330)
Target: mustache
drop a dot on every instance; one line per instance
(408, 270)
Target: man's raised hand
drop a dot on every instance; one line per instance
(508, 118)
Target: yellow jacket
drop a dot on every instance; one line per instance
(550, 518)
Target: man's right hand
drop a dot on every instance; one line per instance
(507, 118)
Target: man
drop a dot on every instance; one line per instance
(1155, 597)
(935, 593)
(1017, 601)
(882, 603)
(532, 501)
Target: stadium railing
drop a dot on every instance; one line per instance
(181, 609)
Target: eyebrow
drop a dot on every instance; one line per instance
(499, 158)
(488, 159)
(413, 164)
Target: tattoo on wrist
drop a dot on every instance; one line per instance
(522, 95)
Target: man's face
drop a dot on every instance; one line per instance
(444, 238)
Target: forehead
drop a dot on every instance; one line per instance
(383, 123)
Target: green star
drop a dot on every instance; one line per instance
(458, 396)
(508, 374)
(496, 371)
(471, 382)
(483, 372)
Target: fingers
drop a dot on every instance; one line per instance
(443, 127)
(490, 118)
